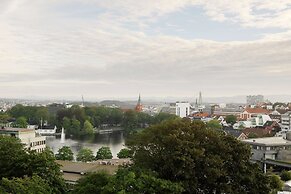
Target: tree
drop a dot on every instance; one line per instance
(214, 124)
(104, 153)
(275, 183)
(13, 157)
(65, 153)
(285, 175)
(125, 153)
(92, 183)
(43, 164)
(85, 155)
(125, 181)
(75, 127)
(17, 111)
(88, 128)
(15, 161)
(201, 159)
(29, 185)
(67, 124)
(132, 182)
(21, 122)
(163, 117)
(4, 118)
(130, 121)
(231, 119)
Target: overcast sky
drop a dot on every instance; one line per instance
(119, 48)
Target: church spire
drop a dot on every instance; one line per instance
(200, 99)
(138, 107)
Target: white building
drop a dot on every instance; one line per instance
(30, 139)
(286, 121)
(183, 109)
(258, 121)
(47, 130)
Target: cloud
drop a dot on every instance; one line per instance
(44, 46)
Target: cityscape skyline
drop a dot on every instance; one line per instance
(156, 48)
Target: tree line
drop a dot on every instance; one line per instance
(86, 155)
(78, 121)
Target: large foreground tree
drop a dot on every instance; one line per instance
(202, 159)
(15, 161)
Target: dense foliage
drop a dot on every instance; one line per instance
(85, 155)
(125, 153)
(202, 159)
(16, 162)
(104, 153)
(231, 119)
(65, 153)
(78, 121)
(126, 181)
(285, 175)
(28, 185)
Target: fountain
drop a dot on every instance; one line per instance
(63, 136)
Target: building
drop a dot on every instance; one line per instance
(253, 112)
(183, 109)
(286, 121)
(30, 139)
(235, 133)
(255, 99)
(138, 107)
(73, 171)
(274, 148)
(199, 104)
(47, 130)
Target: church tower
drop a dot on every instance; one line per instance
(138, 107)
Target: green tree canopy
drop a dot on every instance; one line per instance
(163, 117)
(75, 128)
(88, 128)
(65, 153)
(28, 185)
(85, 155)
(285, 175)
(230, 119)
(132, 182)
(92, 183)
(214, 124)
(21, 122)
(15, 161)
(125, 153)
(126, 181)
(4, 118)
(104, 153)
(203, 160)
(275, 183)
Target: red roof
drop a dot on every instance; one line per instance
(200, 114)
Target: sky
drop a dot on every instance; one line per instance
(120, 48)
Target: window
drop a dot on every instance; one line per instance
(268, 148)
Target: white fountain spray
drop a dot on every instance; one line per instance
(63, 135)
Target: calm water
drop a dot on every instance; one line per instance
(114, 140)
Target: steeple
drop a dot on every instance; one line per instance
(138, 107)
(200, 99)
(139, 102)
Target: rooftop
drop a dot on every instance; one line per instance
(257, 110)
(15, 129)
(268, 141)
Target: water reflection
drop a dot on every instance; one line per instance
(114, 140)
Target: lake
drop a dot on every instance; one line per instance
(115, 141)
